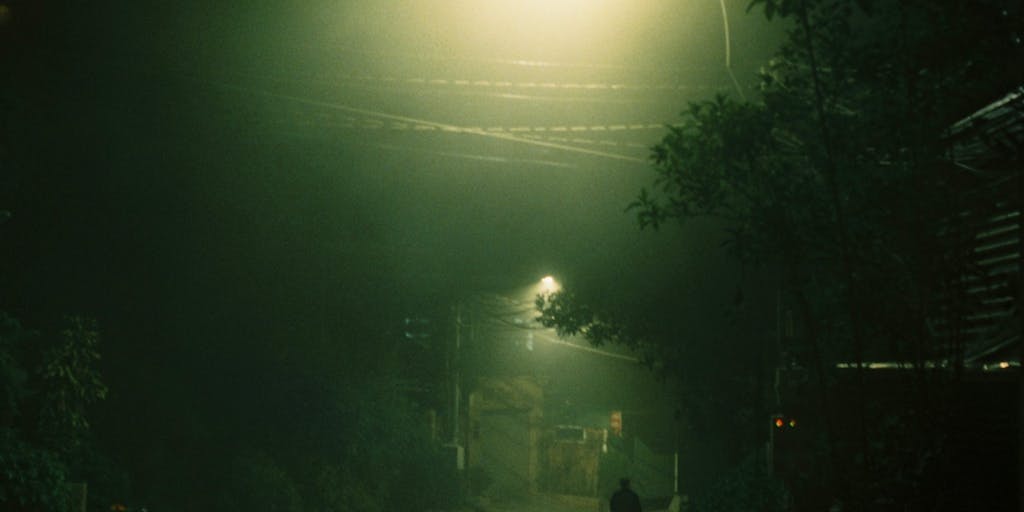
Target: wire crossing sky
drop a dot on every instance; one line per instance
(439, 125)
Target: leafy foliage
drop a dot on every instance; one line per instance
(569, 317)
(836, 182)
(45, 412)
(353, 440)
(13, 375)
(70, 383)
(33, 478)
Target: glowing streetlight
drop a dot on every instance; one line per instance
(526, 30)
(549, 285)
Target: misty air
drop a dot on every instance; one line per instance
(511, 256)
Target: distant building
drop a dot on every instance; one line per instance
(505, 423)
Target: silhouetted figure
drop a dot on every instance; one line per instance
(624, 499)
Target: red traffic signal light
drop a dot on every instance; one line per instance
(782, 421)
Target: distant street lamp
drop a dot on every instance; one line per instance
(549, 285)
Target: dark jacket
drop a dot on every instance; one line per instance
(625, 500)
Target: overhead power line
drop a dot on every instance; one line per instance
(520, 63)
(553, 132)
(476, 83)
(728, 51)
(445, 127)
(471, 156)
(603, 353)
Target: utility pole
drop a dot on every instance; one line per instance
(455, 374)
(454, 371)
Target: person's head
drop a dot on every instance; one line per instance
(624, 483)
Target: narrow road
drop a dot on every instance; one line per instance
(546, 503)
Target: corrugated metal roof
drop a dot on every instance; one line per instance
(993, 133)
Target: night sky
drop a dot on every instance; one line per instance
(192, 160)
